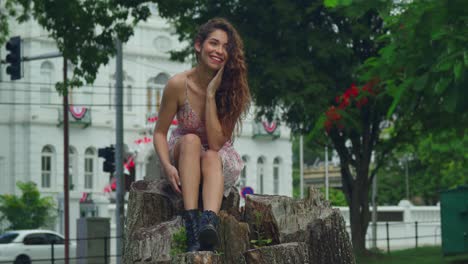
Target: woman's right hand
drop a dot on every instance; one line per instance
(173, 176)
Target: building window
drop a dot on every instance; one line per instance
(260, 174)
(47, 78)
(89, 168)
(129, 97)
(154, 92)
(162, 43)
(243, 176)
(128, 84)
(46, 167)
(276, 172)
(72, 157)
(111, 96)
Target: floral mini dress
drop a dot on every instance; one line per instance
(190, 123)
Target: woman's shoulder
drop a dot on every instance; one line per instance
(177, 80)
(176, 84)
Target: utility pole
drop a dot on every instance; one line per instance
(406, 178)
(65, 162)
(326, 172)
(301, 163)
(374, 212)
(120, 214)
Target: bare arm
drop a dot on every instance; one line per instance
(167, 111)
(214, 130)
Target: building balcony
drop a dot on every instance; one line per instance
(265, 130)
(77, 116)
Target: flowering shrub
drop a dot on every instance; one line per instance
(353, 96)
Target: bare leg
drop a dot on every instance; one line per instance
(213, 181)
(187, 155)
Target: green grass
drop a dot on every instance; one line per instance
(422, 255)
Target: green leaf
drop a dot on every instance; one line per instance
(351, 119)
(457, 70)
(336, 3)
(465, 58)
(396, 100)
(450, 101)
(330, 3)
(318, 126)
(444, 65)
(441, 85)
(420, 83)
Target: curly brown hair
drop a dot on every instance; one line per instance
(233, 95)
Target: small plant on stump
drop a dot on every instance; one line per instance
(261, 241)
(179, 242)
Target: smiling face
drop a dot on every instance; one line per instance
(213, 51)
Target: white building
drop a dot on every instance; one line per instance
(32, 132)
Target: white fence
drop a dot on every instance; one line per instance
(419, 225)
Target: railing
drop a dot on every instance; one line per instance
(401, 235)
(55, 257)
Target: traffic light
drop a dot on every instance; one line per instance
(13, 58)
(108, 153)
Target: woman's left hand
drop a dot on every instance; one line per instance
(215, 83)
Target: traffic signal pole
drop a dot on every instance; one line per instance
(65, 162)
(120, 214)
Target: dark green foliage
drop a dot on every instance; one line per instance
(179, 242)
(299, 53)
(28, 211)
(85, 31)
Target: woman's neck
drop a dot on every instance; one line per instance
(203, 76)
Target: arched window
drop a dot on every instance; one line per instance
(260, 173)
(72, 168)
(129, 88)
(243, 176)
(46, 166)
(276, 175)
(154, 92)
(46, 80)
(89, 168)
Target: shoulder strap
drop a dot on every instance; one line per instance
(186, 88)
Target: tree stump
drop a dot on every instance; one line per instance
(312, 220)
(201, 257)
(234, 238)
(287, 253)
(151, 244)
(302, 231)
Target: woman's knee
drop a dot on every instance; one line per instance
(190, 141)
(210, 158)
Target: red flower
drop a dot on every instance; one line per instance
(344, 103)
(363, 101)
(352, 91)
(328, 125)
(338, 99)
(332, 115)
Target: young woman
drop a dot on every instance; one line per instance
(209, 101)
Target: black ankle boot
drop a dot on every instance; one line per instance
(208, 231)
(191, 227)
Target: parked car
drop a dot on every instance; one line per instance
(33, 246)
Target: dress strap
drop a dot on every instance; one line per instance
(186, 89)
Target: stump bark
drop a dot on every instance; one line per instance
(312, 220)
(287, 253)
(151, 245)
(201, 257)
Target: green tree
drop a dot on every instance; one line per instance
(300, 54)
(85, 31)
(421, 65)
(434, 162)
(28, 211)
(424, 59)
